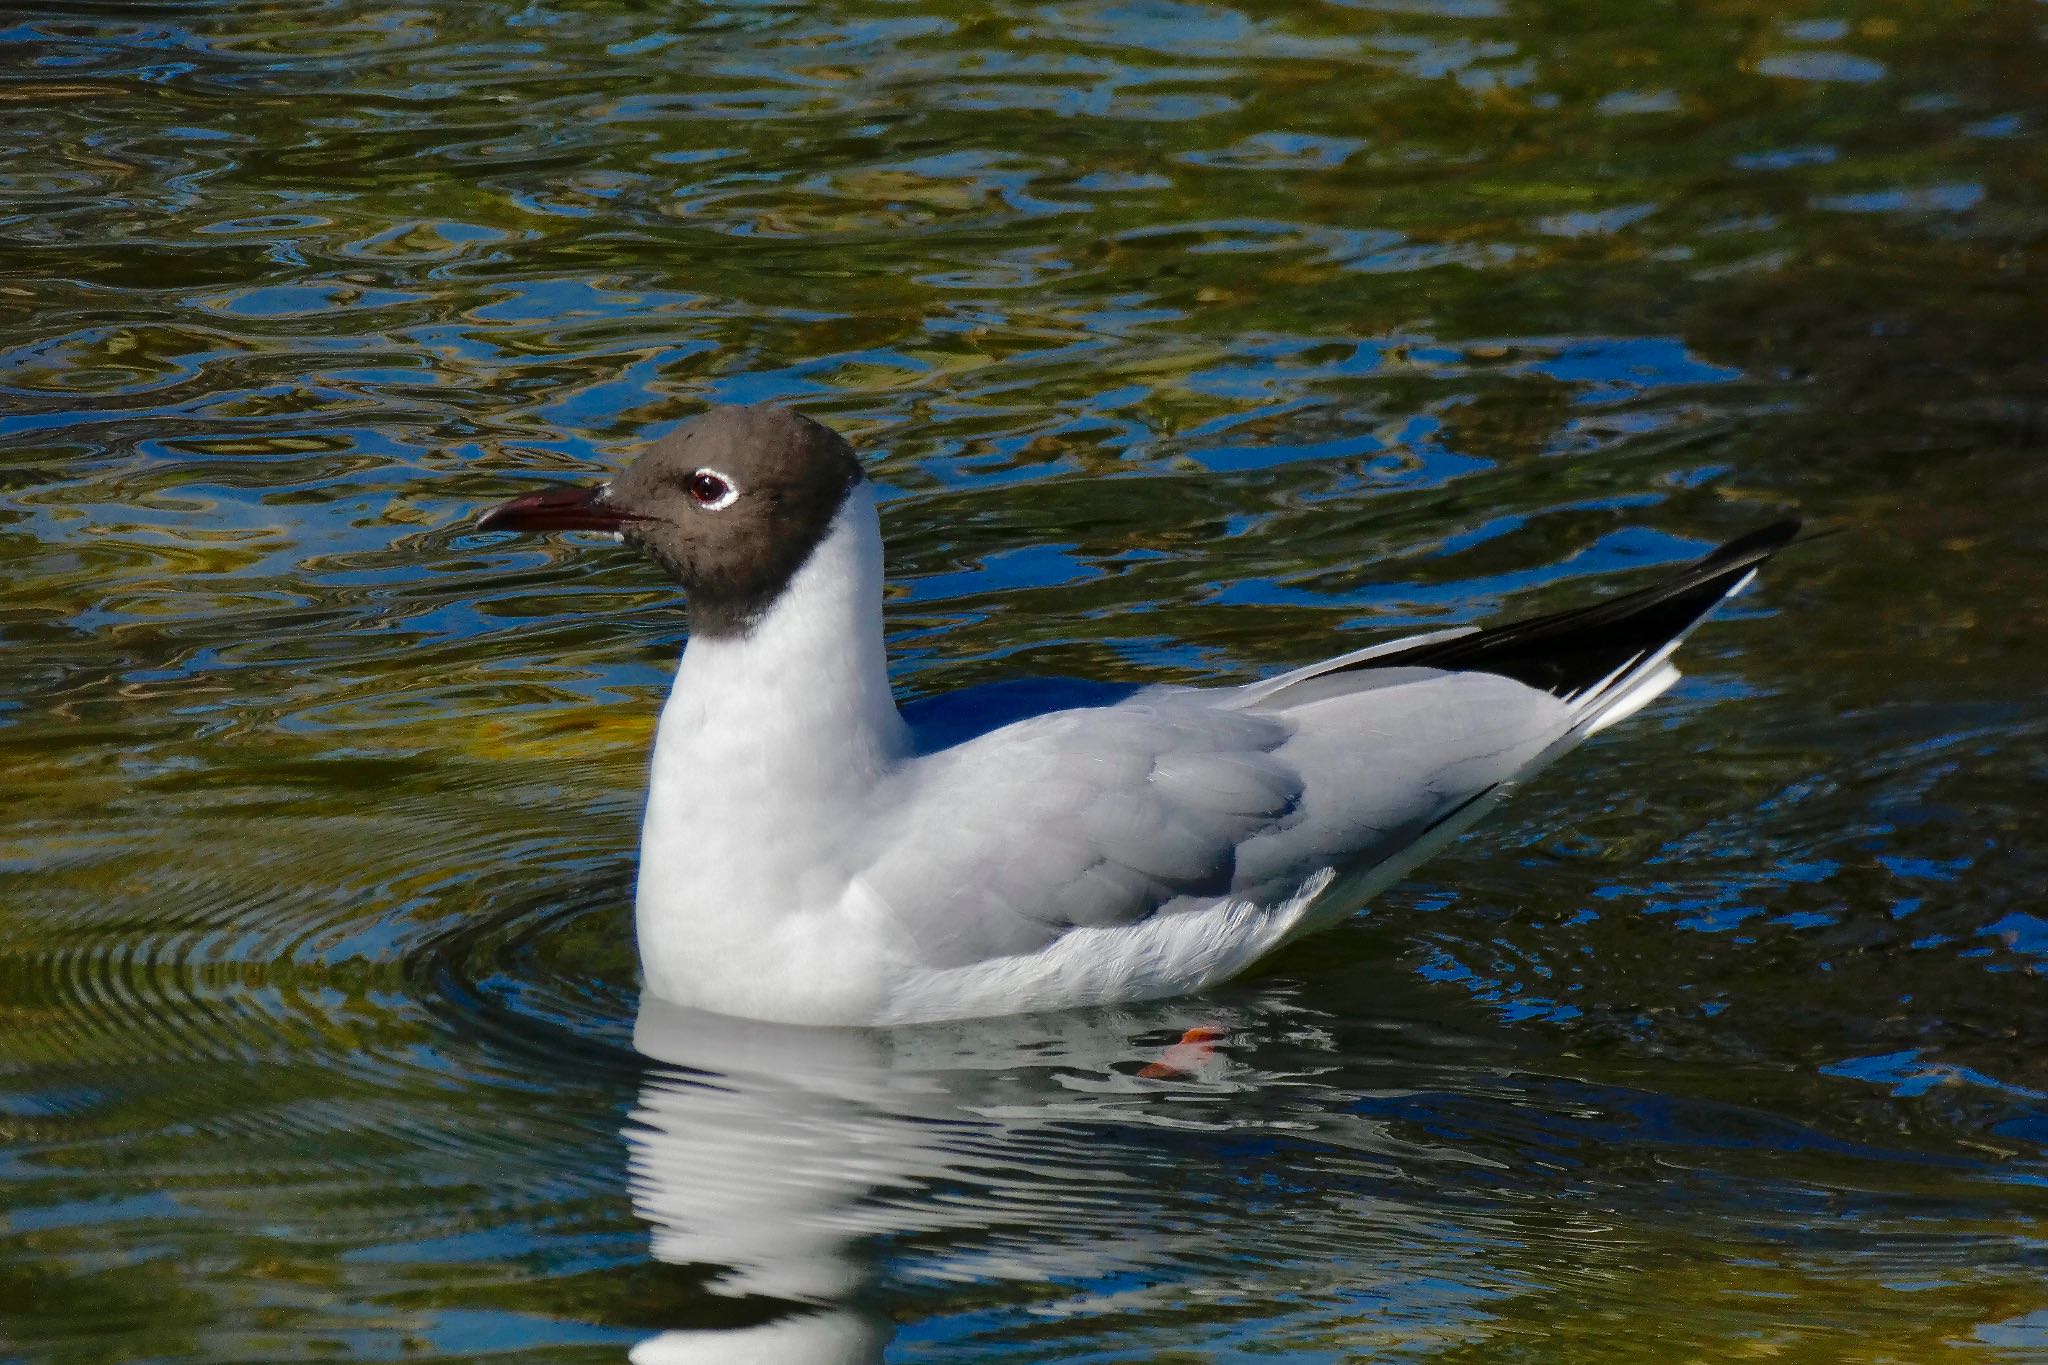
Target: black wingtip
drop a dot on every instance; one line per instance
(1751, 547)
(1568, 652)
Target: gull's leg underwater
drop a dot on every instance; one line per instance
(1186, 1060)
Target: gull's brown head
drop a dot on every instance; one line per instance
(731, 504)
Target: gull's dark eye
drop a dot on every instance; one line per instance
(711, 490)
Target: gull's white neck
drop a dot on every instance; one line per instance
(798, 711)
(768, 745)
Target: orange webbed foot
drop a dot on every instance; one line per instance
(1185, 1059)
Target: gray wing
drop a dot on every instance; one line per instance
(1177, 797)
(1390, 756)
(1090, 817)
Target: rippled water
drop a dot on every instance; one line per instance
(1186, 340)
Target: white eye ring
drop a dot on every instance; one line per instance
(711, 490)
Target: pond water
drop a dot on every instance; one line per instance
(1186, 341)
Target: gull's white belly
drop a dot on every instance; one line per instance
(849, 963)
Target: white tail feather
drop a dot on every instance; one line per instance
(1640, 681)
(1632, 696)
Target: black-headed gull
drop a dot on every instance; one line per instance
(804, 859)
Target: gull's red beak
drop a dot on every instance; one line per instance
(556, 509)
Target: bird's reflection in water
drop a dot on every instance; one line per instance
(780, 1154)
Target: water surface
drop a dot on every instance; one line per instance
(1186, 341)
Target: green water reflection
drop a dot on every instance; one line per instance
(1187, 340)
